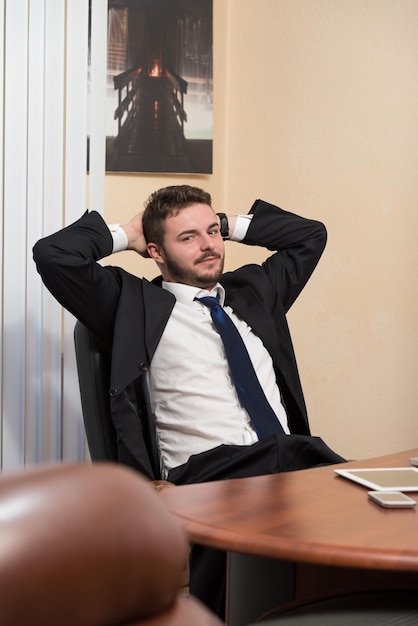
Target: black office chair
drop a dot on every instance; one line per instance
(93, 365)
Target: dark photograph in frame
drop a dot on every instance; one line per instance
(159, 93)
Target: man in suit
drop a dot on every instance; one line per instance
(175, 409)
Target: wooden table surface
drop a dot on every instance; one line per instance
(310, 516)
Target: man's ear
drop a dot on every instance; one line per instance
(154, 252)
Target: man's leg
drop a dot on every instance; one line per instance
(277, 453)
(208, 578)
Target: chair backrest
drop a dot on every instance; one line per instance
(93, 365)
(91, 545)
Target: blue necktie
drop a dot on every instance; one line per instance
(248, 388)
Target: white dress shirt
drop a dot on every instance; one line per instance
(193, 398)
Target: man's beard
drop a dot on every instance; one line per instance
(185, 275)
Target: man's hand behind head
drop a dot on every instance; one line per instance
(135, 234)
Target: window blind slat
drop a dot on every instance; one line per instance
(75, 201)
(14, 219)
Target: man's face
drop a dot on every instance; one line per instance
(193, 251)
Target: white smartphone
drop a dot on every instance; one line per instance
(391, 499)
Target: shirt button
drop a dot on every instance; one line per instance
(143, 366)
(112, 392)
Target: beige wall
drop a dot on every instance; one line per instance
(316, 110)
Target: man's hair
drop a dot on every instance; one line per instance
(165, 203)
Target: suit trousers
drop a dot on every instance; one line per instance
(274, 454)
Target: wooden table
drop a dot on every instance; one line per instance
(298, 534)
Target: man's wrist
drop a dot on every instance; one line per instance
(224, 225)
(119, 236)
(238, 226)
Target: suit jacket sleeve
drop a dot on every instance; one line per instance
(298, 241)
(67, 263)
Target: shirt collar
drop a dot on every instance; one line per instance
(187, 293)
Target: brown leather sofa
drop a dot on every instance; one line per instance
(91, 545)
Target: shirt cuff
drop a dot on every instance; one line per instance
(120, 238)
(241, 226)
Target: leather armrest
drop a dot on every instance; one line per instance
(86, 544)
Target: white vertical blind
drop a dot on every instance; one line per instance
(1, 221)
(53, 196)
(14, 219)
(44, 106)
(97, 121)
(34, 224)
(75, 199)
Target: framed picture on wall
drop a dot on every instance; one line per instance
(159, 86)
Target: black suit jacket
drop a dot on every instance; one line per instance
(129, 314)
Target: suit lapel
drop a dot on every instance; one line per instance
(143, 311)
